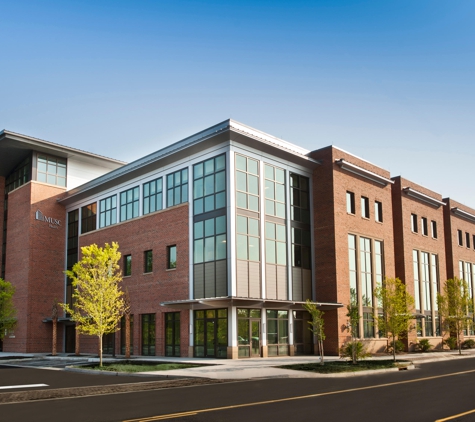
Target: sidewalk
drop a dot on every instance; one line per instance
(244, 368)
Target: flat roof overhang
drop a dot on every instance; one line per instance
(244, 302)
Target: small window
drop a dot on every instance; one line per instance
(473, 241)
(350, 202)
(378, 211)
(460, 237)
(148, 262)
(424, 227)
(171, 257)
(364, 207)
(433, 226)
(414, 223)
(127, 265)
(467, 240)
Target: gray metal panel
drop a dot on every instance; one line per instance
(255, 280)
(282, 292)
(242, 279)
(210, 279)
(198, 281)
(297, 293)
(221, 278)
(307, 284)
(271, 282)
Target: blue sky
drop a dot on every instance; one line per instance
(391, 82)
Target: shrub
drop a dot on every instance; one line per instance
(468, 344)
(451, 343)
(399, 347)
(346, 351)
(423, 345)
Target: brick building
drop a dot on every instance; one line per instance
(223, 236)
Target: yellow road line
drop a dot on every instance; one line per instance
(260, 403)
(456, 416)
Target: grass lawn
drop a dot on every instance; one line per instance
(139, 367)
(346, 366)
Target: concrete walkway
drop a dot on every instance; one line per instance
(241, 368)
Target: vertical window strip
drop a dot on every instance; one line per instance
(417, 296)
(247, 183)
(366, 271)
(274, 191)
(152, 196)
(209, 185)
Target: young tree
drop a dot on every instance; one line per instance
(397, 306)
(98, 302)
(127, 324)
(354, 317)
(7, 310)
(454, 305)
(317, 325)
(54, 319)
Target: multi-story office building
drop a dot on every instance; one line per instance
(223, 236)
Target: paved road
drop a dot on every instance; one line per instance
(430, 393)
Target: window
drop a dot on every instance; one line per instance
(247, 183)
(364, 207)
(148, 334)
(172, 334)
(177, 187)
(277, 333)
(301, 248)
(210, 240)
(467, 240)
(51, 170)
(274, 191)
(473, 241)
(209, 185)
(108, 211)
(426, 287)
(248, 247)
(460, 237)
(129, 204)
(366, 271)
(433, 226)
(275, 244)
(414, 223)
(171, 257)
(350, 203)
(424, 227)
(299, 198)
(88, 218)
(152, 196)
(378, 211)
(127, 265)
(148, 262)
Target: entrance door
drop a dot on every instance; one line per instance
(255, 337)
(211, 333)
(70, 345)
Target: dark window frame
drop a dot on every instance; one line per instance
(127, 265)
(378, 211)
(148, 261)
(171, 253)
(365, 213)
(350, 203)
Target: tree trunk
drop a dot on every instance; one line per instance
(55, 331)
(100, 351)
(127, 336)
(76, 345)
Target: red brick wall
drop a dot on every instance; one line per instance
(151, 232)
(34, 264)
(456, 253)
(332, 226)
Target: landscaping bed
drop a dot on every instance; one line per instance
(137, 366)
(335, 367)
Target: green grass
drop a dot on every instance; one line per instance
(139, 367)
(346, 366)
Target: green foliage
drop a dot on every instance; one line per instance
(468, 344)
(423, 345)
(354, 349)
(7, 310)
(317, 325)
(353, 314)
(397, 309)
(97, 297)
(333, 367)
(451, 343)
(399, 347)
(453, 306)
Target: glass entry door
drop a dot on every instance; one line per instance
(249, 333)
(211, 333)
(255, 337)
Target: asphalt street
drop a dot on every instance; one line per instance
(433, 391)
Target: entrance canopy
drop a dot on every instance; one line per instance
(244, 302)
